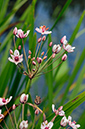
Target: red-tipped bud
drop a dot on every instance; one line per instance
(19, 47)
(53, 55)
(39, 60)
(11, 52)
(39, 40)
(30, 52)
(42, 53)
(64, 57)
(43, 38)
(29, 56)
(45, 57)
(50, 44)
(36, 112)
(33, 62)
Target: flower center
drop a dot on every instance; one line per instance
(46, 127)
(3, 100)
(16, 58)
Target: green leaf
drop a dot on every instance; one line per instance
(68, 108)
(75, 71)
(78, 83)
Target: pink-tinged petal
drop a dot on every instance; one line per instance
(38, 30)
(50, 125)
(11, 60)
(64, 121)
(63, 39)
(53, 107)
(47, 32)
(61, 113)
(15, 31)
(16, 53)
(60, 108)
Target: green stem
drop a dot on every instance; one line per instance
(22, 111)
(28, 86)
(25, 54)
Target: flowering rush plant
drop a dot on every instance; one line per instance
(32, 65)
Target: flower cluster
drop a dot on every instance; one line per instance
(38, 61)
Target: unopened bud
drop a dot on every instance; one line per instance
(33, 58)
(33, 62)
(43, 38)
(42, 53)
(33, 70)
(64, 57)
(36, 112)
(39, 40)
(30, 52)
(39, 60)
(45, 57)
(50, 44)
(13, 107)
(53, 55)
(29, 56)
(19, 47)
(11, 52)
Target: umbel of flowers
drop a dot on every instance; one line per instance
(38, 61)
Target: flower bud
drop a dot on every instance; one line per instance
(24, 98)
(43, 38)
(60, 108)
(50, 44)
(33, 70)
(30, 52)
(33, 58)
(44, 57)
(64, 57)
(11, 52)
(39, 60)
(13, 107)
(36, 112)
(42, 53)
(39, 40)
(53, 55)
(33, 62)
(19, 47)
(29, 56)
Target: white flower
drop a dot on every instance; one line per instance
(74, 125)
(4, 101)
(19, 33)
(68, 48)
(56, 48)
(23, 124)
(64, 121)
(46, 125)
(43, 30)
(1, 115)
(16, 58)
(59, 111)
(24, 98)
